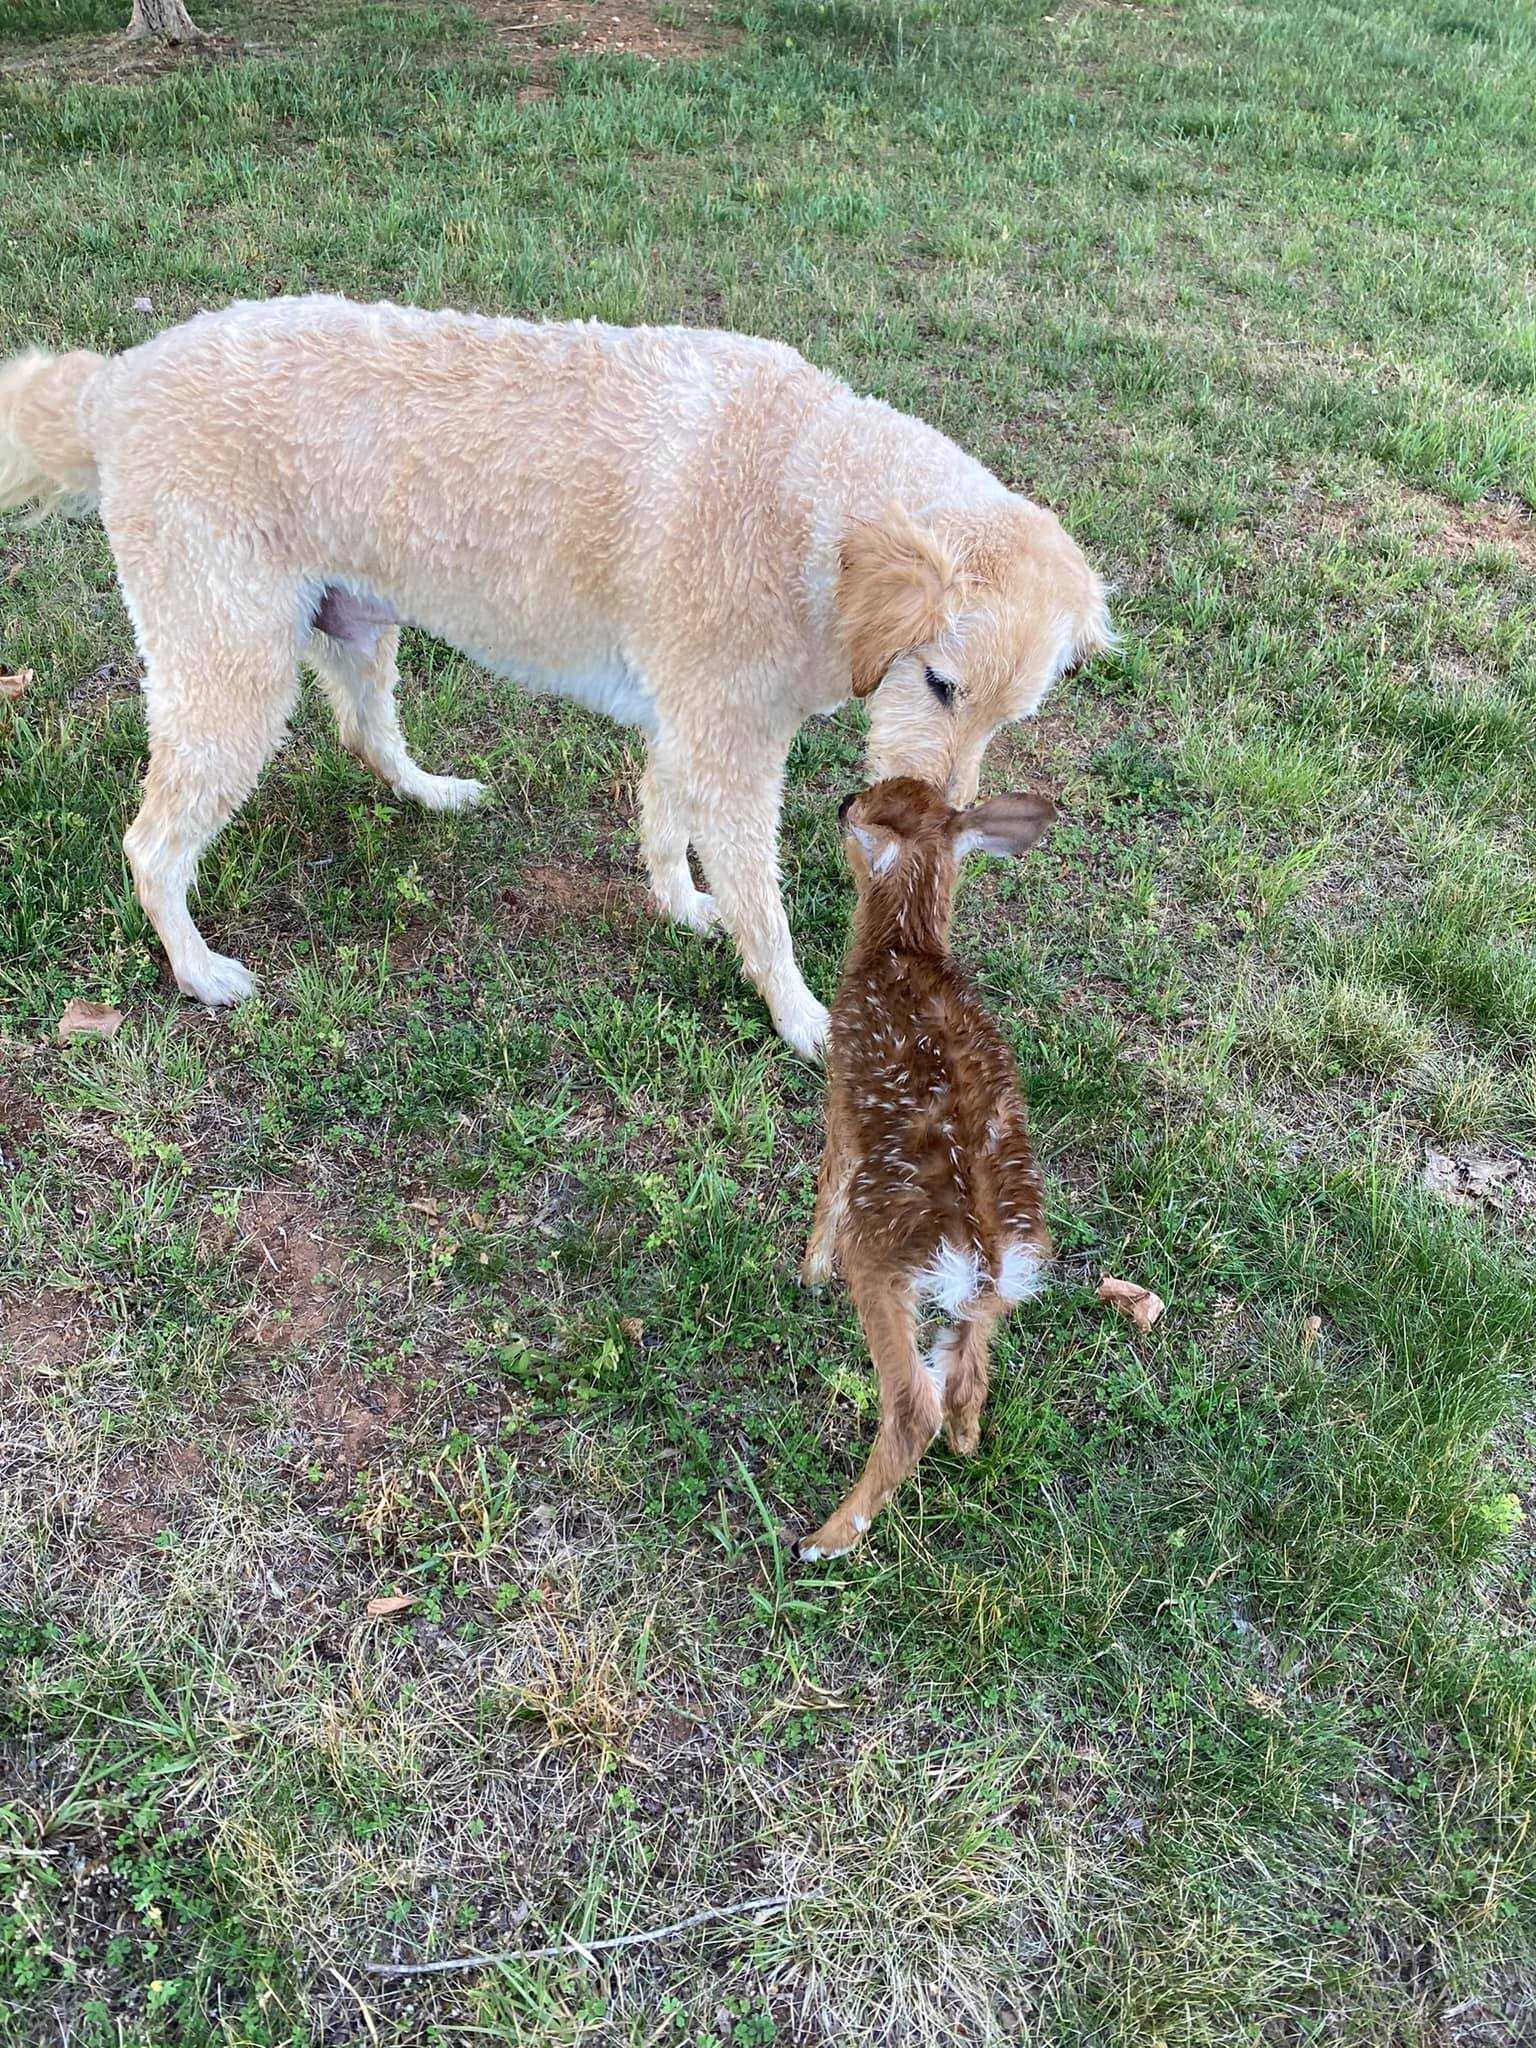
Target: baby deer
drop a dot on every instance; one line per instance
(928, 1193)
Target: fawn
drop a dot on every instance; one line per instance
(928, 1195)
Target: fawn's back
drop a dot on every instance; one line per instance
(945, 1186)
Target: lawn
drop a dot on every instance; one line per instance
(1201, 1708)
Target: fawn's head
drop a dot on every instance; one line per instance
(905, 843)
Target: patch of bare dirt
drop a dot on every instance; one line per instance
(1454, 530)
(544, 895)
(295, 1269)
(426, 943)
(606, 28)
(1493, 523)
(348, 1419)
(42, 1329)
(139, 1495)
(20, 1118)
(103, 60)
(112, 680)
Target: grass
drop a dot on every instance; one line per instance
(1201, 1707)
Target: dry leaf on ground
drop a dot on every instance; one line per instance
(14, 683)
(1477, 1179)
(1138, 1305)
(391, 1603)
(88, 1020)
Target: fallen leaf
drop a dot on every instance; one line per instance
(13, 684)
(1442, 1176)
(391, 1603)
(88, 1020)
(633, 1328)
(424, 1206)
(142, 305)
(1475, 1179)
(1138, 1305)
(1264, 1702)
(1311, 1329)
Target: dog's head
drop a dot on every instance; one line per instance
(957, 624)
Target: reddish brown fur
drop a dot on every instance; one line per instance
(927, 1169)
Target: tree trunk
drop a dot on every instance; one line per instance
(166, 18)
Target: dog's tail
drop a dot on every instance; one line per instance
(45, 458)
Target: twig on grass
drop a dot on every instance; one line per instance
(572, 1946)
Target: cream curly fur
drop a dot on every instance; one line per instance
(698, 533)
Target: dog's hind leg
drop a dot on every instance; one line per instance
(220, 680)
(354, 649)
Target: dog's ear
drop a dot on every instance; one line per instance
(897, 588)
(1007, 825)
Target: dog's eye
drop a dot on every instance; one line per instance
(945, 692)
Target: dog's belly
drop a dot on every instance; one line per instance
(548, 664)
(607, 684)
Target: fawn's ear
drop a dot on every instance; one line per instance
(897, 588)
(878, 847)
(1002, 825)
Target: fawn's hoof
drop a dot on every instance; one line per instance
(833, 1539)
(963, 1438)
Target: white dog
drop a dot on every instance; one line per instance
(700, 534)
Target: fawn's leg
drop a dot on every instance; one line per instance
(910, 1410)
(832, 1179)
(220, 676)
(958, 1363)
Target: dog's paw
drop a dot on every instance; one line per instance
(695, 913)
(443, 792)
(216, 981)
(804, 1026)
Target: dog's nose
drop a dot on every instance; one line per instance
(842, 809)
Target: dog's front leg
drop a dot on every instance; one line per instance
(736, 830)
